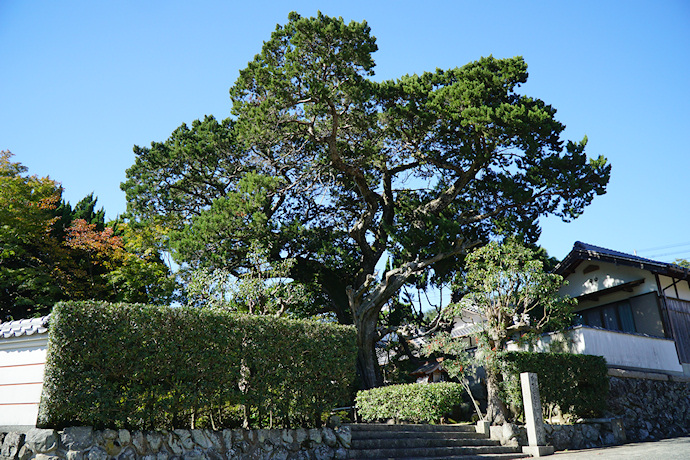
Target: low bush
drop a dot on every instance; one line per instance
(147, 367)
(573, 384)
(414, 402)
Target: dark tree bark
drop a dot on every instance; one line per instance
(496, 411)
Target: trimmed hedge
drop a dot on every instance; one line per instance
(413, 402)
(577, 384)
(149, 367)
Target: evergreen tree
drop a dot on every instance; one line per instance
(333, 170)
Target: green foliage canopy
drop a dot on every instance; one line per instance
(508, 284)
(27, 248)
(264, 289)
(325, 166)
(50, 251)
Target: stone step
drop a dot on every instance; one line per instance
(416, 434)
(432, 452)
(509, 456)
(378, 441)
(355, 427)
(418, 442)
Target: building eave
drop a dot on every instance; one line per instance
(586, 252)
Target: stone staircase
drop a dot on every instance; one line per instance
(427, 442)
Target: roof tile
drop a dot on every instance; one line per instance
(24, 327)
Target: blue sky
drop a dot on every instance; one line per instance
(83, 81)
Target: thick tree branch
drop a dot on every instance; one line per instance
(371, 199)
(388, 214)
(395, 278)
(435, 206)
(403, 168)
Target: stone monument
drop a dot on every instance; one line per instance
(536, 436)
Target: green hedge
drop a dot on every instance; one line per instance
(146, 367)
(414, 402)
(577, 384)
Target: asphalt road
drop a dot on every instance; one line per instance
(666, 449)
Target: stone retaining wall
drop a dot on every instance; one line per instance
(84, 443)
(651, 408)
(642, 407)
(604, 432)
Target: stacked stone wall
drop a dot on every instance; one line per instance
(651, 408)
(84, 443)
(586, 435)
(641, 408)
(589, 434)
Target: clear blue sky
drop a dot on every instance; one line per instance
(83, 81)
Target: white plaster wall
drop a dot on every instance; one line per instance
(569, 341)
(22, 364)
(618, 348)
(632, 350)
(683, 289)
(608, 275)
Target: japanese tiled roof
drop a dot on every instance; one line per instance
(24, 327)
(428, 367)
(467, 304)
(583, 251)
(466, 329)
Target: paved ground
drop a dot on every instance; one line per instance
(666, 449)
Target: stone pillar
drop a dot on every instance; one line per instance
(483, 427)
(536, 436)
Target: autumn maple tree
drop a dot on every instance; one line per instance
(50, 251)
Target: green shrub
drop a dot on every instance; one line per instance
(145, 367)
(576, 384)
(412, 402)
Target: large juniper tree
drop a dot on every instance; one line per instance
(325, 166)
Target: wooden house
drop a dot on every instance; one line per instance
(633, 311)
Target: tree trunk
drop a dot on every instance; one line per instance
(466, 385)
(496, 412)
(366, 303)
(367, 361)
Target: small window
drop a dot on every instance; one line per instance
(593, 318)
(647, 316)
(626, 316)
(610, 318)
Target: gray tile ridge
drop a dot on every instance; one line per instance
(24, 327)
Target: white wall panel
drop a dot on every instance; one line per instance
(618, 348)
(22, 365)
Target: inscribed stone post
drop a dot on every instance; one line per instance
(536, 435)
